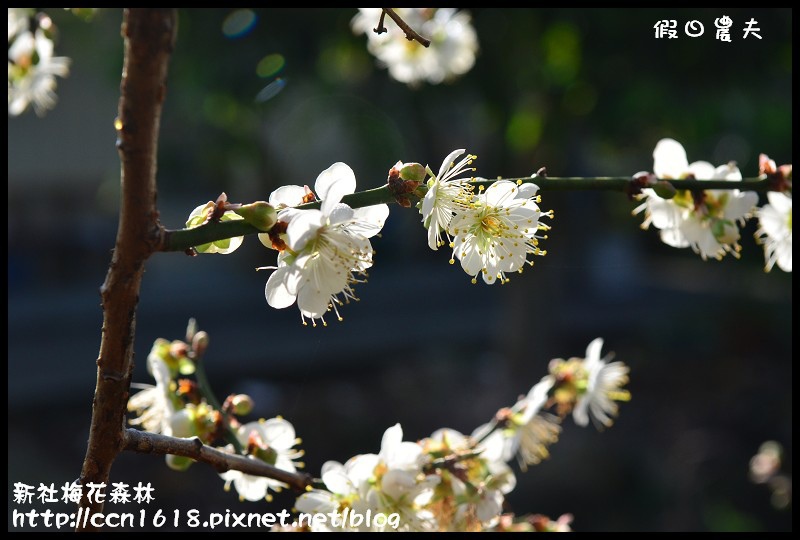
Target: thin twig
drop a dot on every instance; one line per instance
(411, 35)
(381, 28)
(144, 442)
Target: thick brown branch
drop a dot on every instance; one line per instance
(149, 36)
(411, 35)
(144, 442)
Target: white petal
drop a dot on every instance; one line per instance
(785, 257)
(702, 170)
(369, 220)
(780, 201)
(391, 440)
(277, 291)
(593, 350)
(340, 213)
(467, 252)
(448, 161)
(669, 159)
(312, 300)
(499, 192)
(338, 482)
(316, 501)
(580, 413)
(334, 183)
(303, 227)
(527, 190)
(664, 214)
(740, 205)
(360, 469)
(278, 433)
(251, 488)
(287, 196)
(674, 237)
(729, 171)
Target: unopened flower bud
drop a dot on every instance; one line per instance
(200, 343)
(413, 172)
(664, 189)
(242, 404)
(259, 214)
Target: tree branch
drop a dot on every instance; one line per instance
(182, 239)
(144, 442)
(149, 36)
(411, 35)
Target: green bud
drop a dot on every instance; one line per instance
(259, 214)
(664, 189)
(179, 463)
(413, 172)
(242, 404)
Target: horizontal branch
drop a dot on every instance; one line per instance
(143, 442)
(183, 239)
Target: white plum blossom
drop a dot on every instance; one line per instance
(454, 43)
(498, 232)
(391, 481)
(533, 431)
(603, 387)
(399, 483)
(154, 405)
(447, 195)
(271, 441)
(32, 68)
(707, 221)
(347, 486)
(489, 477)
(325, 248)
(527, 432)
(775, 231)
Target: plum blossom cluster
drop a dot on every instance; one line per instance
(709, 220)
(324, 251)
(450, 481)
(452, 49)
(180, 405)
(32, 68)
(491, 232)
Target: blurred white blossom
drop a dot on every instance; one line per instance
(602, 388)
(271, 441)
(775, 231)
(707, 221)
(451, 53)
(32, 68)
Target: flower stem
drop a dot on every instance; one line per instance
(205, 389)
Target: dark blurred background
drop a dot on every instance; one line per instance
(582, 92)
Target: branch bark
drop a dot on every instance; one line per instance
(144, 442)
(149, 36)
